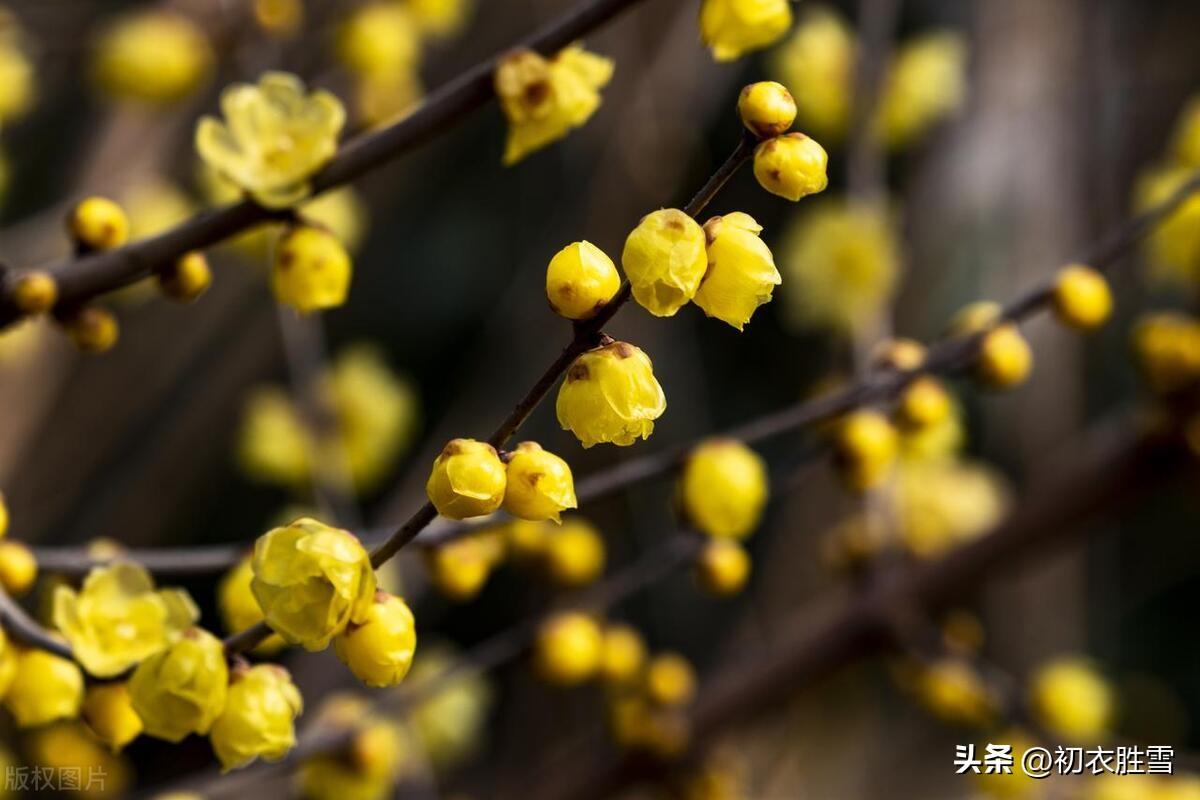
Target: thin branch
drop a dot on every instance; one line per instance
(27, 630)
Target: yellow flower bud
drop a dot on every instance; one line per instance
(540, 485)
(3, 520)
(865, 448)
(902, 355)
(311, 271)
(925, 84)
(767, 109)
(741, 272)
(155, 56)
(581, 280)
(380, 649)
(468, 480)
(279, 17)
(92, 329)
(724, 488)
(311, 580)
(1167, 346)
(182, 689)
(665, 259)
(924, 404)
(731, 28)
(261, 706)
(610, 394)
(1173, 247)
(239, 610)
(791, 166)
(379, 38)
(723, 567)
(460, 568)
(1072, 699)
(187, 278)
(35, 292)
(1081, 297)
(817, 64)
(8, 662)
(18, 87)
(118, 619)
(18, 568)
(569, 649)
(440, 17)
(525, 539)
(974, 318)
(624, 654)
(574, 554)
(642, 726)
(68, 748)
(670, 680)
(44, 688)
(108, 712)
(1004, 358)
(952, 690)
(97, 223)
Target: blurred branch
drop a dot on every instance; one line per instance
(27, 630)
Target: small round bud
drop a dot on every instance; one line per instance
(459, 569)
(767, 109)
(665, 259)
(540, 485)
(526, 540)
(723, 568)
(581, 280)
(902, 355)
(92, 329)
(670, 680)
(624, 655)
(723, 488)
(1004, 358)
(1072, 699)
(1082, 298)
(610, 394)
(865, 449)
(18, 568)
(923, 404)
(97, 223)
(791, 166)
(108, 711)
(45, 688)
(187, 278)
(574, 554)
(35, 292)
(311, 271)
(569, 649)
(1167, 347)
(974, 317)
(468, 480)
(380, 649)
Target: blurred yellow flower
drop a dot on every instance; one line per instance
(448, 722)
(1167, 347)
(574, 554)
(1173, 247)
(44, 688)
(238, 607)
(370, 765)
(1072, 699)
(274, 137)
(925, 84)
(460, 568)
(154, 56)
(943, 503)
(380, 39)
(817, 65)
(441, 17)
(731, 28)
(723, 488)
(181, 690)
(261, 706)
(569, 649)
(17, 86)
(69, 747)
(955, 692)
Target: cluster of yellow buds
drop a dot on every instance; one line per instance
(470, 479)
(1173, 247)
(790, 165)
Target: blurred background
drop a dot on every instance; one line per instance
(1057, 109)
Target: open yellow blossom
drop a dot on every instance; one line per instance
(723, 567)
(544, 99)
(840, 262)
(925, 84)
(258, 721)
(865, 447)
(952, 690)
(118, 618)
(379, 650)
(610, 394)
(468, 479)
(581, 280)
(723, 488)
(1072, 699)
(108, 712)
(766, 108)
(311, 270)
(574, 554)
(943, 503)
(670, 680)
(380, 38)
(239, 610)
(731, 28)
(741, 273)
(153, 56)
(569, 648)
(17, 86)
(1173, 247)
(791, 166)
(441, 17)
(665, 260)
(1167, 346)
(311, 580)
(44, 687)
(540, 485)
(624, 655)
(275, 136)
(460, 568)
(817, 65)
(181, 690)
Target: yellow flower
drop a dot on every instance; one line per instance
(766, 108)
(17, 87)
(274, 137)
(261, 706)
(97, 223)
(1173, 247)
(451, 719)
(954, 691)
(18, 568)
(379, 650)
(923, 405)
(670, 680)
(741, 272)
(379, 39)
(724, 488)
(540, 485)
(274, 444)
(544, 99)
(526, 540)
(370, 765)
(581, 280)
(460, 568)
(281, 18)
(311, 580)
(187, 278)
(569, 648)
(901, 355)
(610, 395)
(665, 260)
(943, 503)
(311, 270)
(731, 28)
(623, 656)
(68, 748)
(865, 447)
(440, 17)
(108, 711)
(117, 618)
(1082, 298)
(45, 687)
(1072, 699)
(841, 262)
(925, 84)
(817, 65)
(791, 166)
(156, 56)
(1185, 144)
(1005, 359)
(3, 520)
(239, 610)
(723, 567)
(92, 330)
(468, 480)
(574, 554)
(1167, 346)
(8, 662)
(181, 690)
